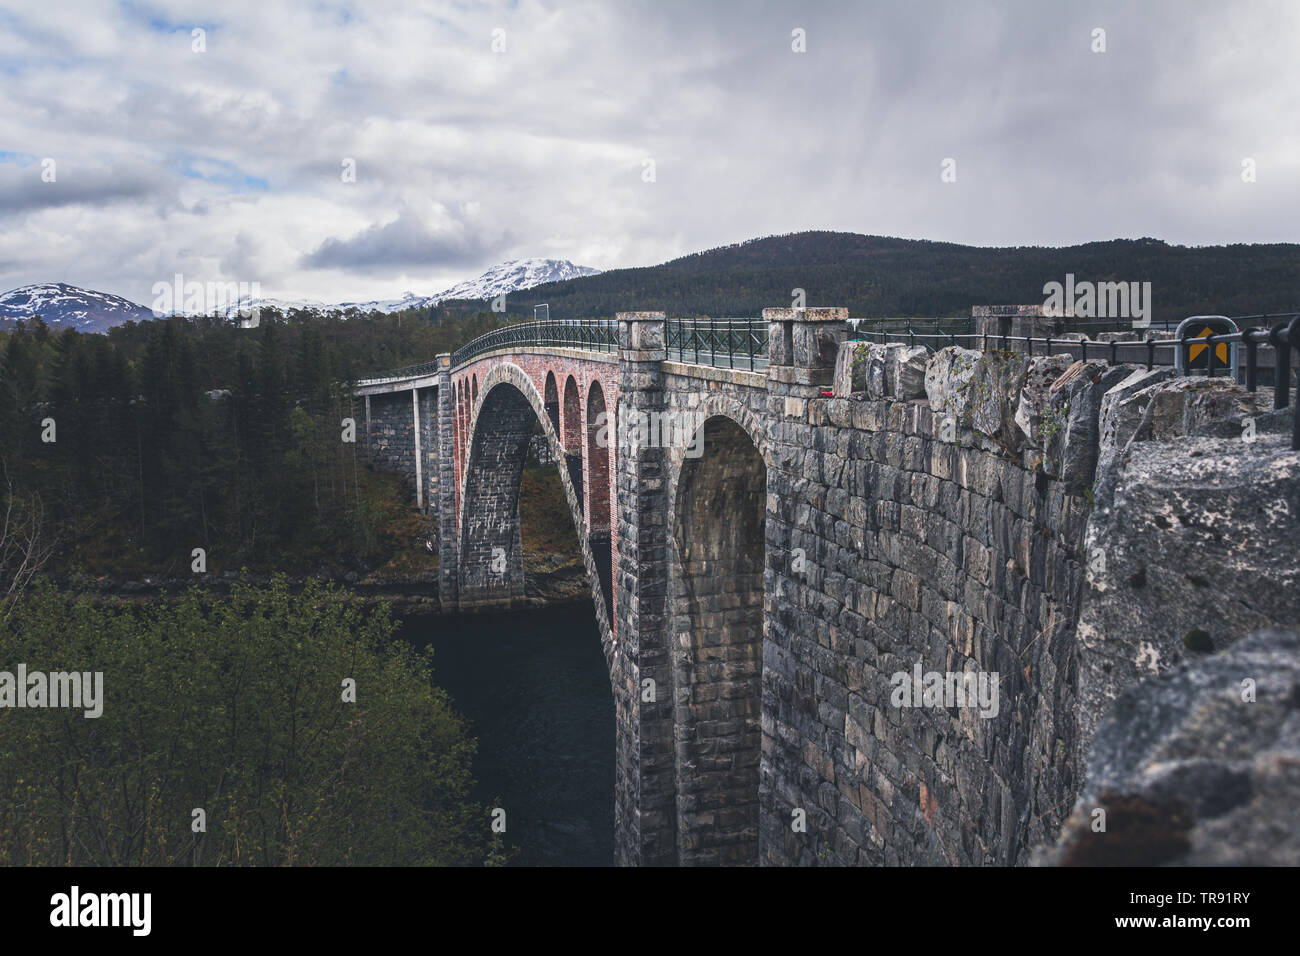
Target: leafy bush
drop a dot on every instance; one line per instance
(233, 706)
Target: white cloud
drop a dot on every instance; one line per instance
(226, 164)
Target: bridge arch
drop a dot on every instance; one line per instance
(571, 434)
(600, 436)
(552, 396)
(717, 558)
(599, 455)
(501, 423)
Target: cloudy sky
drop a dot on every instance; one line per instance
(483, 132)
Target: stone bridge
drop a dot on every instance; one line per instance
(858, 518)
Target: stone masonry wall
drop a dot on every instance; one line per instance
(890, 547)
(391, 443)
(429, 448)
(936, 510)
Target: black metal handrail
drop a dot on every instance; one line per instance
(724, 342)
(907, 329)
(743, 343)
(589, 335)
(398, 374)
(721, 343)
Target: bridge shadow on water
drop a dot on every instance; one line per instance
(535, 688)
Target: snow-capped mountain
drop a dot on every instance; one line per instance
(513, 276)
(408, 300)
(65, 306)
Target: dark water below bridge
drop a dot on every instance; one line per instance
(536, 692)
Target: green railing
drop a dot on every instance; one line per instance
(722, 343)
(589, 335)
(399, 374)
(914, 331)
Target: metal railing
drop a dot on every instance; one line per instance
(589, 335)
(904, 327)
(398, 374)
(742, 343)
(721, 343)
(915, 330)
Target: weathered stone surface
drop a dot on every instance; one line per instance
(994, 394)
(877, 379)
(1199, 767)
(1070, 451)
(1032, 406)
(853, 368)
(817, 343)
(1120, 417)
(1185, 405)
(1017, 320)
(905, 371)
(978, 391)
(947, 379)
(641, 331)
(1196, 547)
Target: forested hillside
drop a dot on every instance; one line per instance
(877, 276)
(160, 437)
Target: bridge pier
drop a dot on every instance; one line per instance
(448, 551)
(419, 446)
(803, 345)
(645, 812)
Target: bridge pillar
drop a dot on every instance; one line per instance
(802, 347)
(415, 437)
(448, 552)
(645, 786)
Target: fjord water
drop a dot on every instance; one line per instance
(536, 691)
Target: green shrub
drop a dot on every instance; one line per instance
(233, 706)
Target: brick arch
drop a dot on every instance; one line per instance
(599, 456)
(500, 425)
(571, 432)
(571, 435)
(552, 397)
(458, 423)
(599, 439)
(717, 556)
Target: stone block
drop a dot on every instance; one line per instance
(905, 371)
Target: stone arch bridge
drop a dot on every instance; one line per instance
(777, 523)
